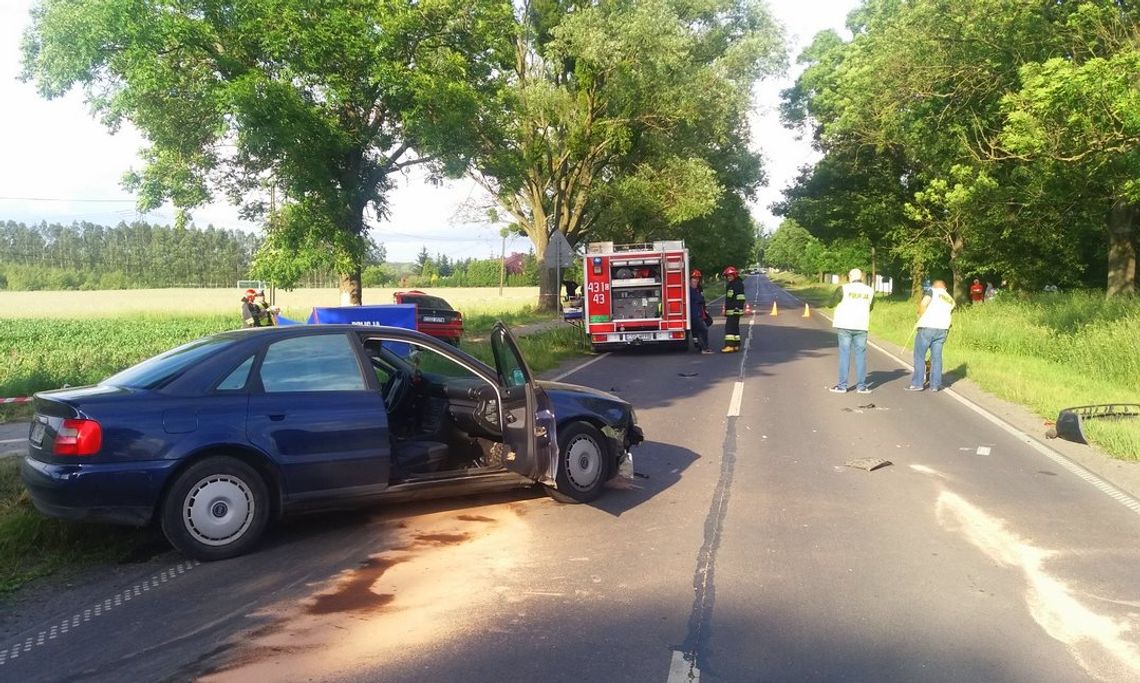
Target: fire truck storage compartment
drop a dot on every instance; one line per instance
(633, 303)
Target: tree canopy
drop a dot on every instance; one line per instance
(319, 100)
(979, 137)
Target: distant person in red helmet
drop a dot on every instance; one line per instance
(977, 291)
(733, 308)
(698, 313)
(250, 310)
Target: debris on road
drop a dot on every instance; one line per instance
(869, 464)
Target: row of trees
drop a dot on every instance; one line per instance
(602, 119)
(976, 136)
(90, 256)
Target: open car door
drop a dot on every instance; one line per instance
(527, 418)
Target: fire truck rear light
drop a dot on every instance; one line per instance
(78, 437)
(678, 335)
(599, 337)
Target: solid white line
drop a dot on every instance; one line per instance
(1100, 484)
(583, 366)
(13, 440)
(737, 395)
(681, 671)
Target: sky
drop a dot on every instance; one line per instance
(59, 164)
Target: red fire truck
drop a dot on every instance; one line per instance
(636, 294)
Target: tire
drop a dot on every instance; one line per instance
(216, 509)
(583, 464)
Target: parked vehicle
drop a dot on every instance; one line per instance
(636, 294)
(434, 316)
(216, 438)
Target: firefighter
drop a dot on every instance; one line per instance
(250, 311)
(733, 308)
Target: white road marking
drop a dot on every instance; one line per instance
(1054, 605)
(99, 609)
(583, 366)
(983, 450)
(681, 670)
(1098, 483)
(13, 440)
(737, 395)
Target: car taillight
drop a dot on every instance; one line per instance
(78, 437)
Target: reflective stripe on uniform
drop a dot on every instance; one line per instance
(741, 297)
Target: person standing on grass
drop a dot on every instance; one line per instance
(698, 313)
(933, 325)
(853, 303)
(250, 311)
(977, 291)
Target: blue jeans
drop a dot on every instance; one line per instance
(847, 340)
(932, 339)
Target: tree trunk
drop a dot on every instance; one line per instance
(350, 288)
(961, 292)
(916, 279)
(1121, 250)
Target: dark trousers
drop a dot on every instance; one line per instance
(700, 332)
(732, 330)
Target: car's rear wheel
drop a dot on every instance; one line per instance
(216, 509)
(583, 464)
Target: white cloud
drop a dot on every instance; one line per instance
(57, 158)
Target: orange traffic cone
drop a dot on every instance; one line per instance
(807, 312)
(774, 311)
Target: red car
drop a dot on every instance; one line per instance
(434, 316)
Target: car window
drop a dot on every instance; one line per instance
(427, 360)
(323, 362)
(236, 380)
(436, 303)
(155, 372)
(510, 368)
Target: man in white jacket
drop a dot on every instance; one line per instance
(853, 302)
(933, 325)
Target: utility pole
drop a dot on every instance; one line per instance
(503, 260)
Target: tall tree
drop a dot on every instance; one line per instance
(321, 99)
(624, 104)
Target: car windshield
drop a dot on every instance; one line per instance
(155, 372)
(429, 302)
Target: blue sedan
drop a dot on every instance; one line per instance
(214, 439)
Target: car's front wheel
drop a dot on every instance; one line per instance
(583, 464)
(216, 509)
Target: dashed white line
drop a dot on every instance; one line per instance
(682, 670)
(737, 395)
(13, 440)
(983, 450)
(97, 610)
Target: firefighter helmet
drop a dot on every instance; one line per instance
(730, 271)
(696, 273)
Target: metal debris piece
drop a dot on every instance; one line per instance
(1069, 420)
(869, 464)
(869, 406)
(687, 374)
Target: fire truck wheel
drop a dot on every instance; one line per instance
(583, 464)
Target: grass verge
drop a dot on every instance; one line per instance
(33, 546)
(1045, 352)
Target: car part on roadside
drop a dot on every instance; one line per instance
(869, 464)
(1070, 421)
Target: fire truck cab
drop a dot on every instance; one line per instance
(636, 294)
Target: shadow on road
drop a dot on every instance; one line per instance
(657, 465)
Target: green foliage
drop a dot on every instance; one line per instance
(977, 136)
(320, 99)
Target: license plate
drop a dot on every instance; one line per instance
(643, 336)
(434, 319)
(37, 436)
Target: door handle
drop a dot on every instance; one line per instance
(279, 417)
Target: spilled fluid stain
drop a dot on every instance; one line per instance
(441, 539)
(476, 518)
(356, 594)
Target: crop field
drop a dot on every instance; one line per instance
(52, 339)
(295, 303)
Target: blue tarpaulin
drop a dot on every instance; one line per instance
(394, 315)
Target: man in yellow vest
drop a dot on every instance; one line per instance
(933, 325)
(853, 302)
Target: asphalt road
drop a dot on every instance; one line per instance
(746, 550)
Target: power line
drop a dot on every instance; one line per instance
(66, 199)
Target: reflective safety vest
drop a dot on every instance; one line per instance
(734, 298)
(854, 310)
(937, 313)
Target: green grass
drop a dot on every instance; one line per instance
(32, 545)
(1046, 352)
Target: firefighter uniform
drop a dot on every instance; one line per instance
(734, 300)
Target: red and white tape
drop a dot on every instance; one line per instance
(18, 399)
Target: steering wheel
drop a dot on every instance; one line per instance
(397, 388)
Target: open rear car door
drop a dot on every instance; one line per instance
(527, 418)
